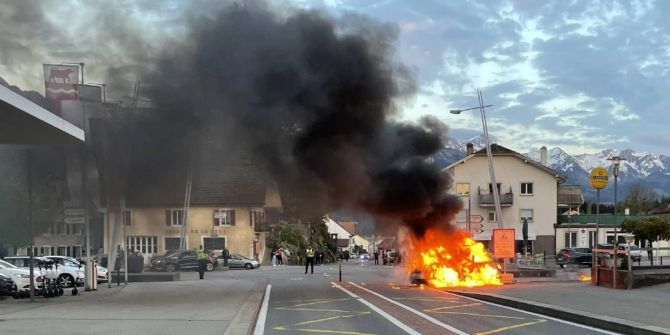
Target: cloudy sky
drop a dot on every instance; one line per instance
(581, 75)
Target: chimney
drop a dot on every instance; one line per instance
(543, 156)
(469, 149)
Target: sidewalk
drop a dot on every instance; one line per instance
(639, 311)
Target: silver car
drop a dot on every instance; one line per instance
(237, 261)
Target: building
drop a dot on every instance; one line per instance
(231, 207)
(528, 190)
(343, 232)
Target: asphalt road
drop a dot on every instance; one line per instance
(369, 300)
(378, 300)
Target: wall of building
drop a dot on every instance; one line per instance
(510, 172)
(150, 222)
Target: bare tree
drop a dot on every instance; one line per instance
(640, 198)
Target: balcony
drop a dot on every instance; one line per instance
(569, 196)
(486, 199)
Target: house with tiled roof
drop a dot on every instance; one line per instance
(528, 190)
(232, 204)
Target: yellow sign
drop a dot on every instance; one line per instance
(503, 243)
(598, 177)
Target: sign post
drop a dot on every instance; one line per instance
(503, 245)
(599, 180)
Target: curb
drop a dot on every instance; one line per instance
(569, 314)
(245, 318)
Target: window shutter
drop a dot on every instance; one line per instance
(251, 218)
(232, 217)
(168, 217)
(214, 223)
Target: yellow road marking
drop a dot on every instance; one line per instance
(324, 331)
(330, 318)
(322, 299)
(498, 330)
(317, 302)
(448, 307)
(426, 299)
(316, 310)
(486, 315)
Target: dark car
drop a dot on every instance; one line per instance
(7, 286)
(178, 260)
(577, 256)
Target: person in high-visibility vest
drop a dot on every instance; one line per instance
(309, 259)
(201, 255)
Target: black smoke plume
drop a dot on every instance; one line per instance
(312, 100)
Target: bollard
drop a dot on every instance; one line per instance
(339, 263)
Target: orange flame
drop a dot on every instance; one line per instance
(584, 277)
(453, 259)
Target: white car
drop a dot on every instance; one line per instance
(70, 273)
(70, 261)
(20, 276)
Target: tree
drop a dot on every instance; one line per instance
(640, 198)
(652, 228)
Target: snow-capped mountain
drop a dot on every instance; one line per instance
(652, 168)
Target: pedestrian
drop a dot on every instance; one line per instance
(650, 252)
(279, 257)
(284, 257)
(201, 255)
(287, 255)
(226, 255)
(274, 257)
(309, 258)
(399, 258)
(376, 255)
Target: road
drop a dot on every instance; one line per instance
(378, 300)
(369, 300)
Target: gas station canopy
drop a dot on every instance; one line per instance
(24, 122)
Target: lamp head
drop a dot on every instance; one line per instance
(455, 111)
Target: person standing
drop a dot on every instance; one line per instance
(309, 259)
(201, 255)
(376, 255)
(225, 254)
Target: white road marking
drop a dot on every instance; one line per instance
(532, 313)
(259, 329)
(387, 316)
(423, 315)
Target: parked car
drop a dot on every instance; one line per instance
(577, 256)
(238, 261)
(7, 286)
(364, 256)
(636, 252)
(21, 277)
(178, 260)
(101, 271)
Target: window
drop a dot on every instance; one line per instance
(526, 188)
(570, 239)
(213, 243)
(224, 217)
(462, 189)
(127, 217)
(142, 244)
(492, 216)
(172, 243)
(256, 216)
(526, 214)
(62, 251)
(173, 217)
(491, 188)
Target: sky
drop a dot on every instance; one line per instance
(580, 75)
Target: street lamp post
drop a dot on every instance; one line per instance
(616, 161)
(489, 156)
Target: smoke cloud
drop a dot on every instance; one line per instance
(312, 100)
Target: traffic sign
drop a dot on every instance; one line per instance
(476, 226)
(476, 230)
(598, 177)
(74, 220)
(476, 218)
(74, 212)
(503, 243)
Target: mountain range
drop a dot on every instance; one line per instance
(650, 168)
